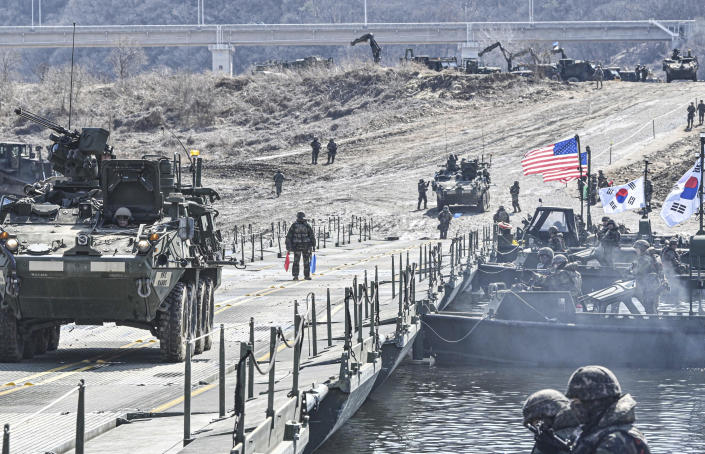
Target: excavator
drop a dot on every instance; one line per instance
(376, 49)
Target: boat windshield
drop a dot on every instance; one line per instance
(555, 219)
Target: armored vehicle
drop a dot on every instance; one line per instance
(576, 70)
(681, 68)
(472, 66)
(466, 185)
(20, 165)
(116, 240)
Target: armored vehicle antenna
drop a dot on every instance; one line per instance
(73, 48)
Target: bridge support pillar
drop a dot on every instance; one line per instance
(222, 58)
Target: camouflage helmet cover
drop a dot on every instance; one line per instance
(123, 211)
(546, 251)
(593, 382)
(641, 244)
(543, 404)
(560, 259)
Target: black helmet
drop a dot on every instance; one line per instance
(544, 404)
(592, 383)
(605, 219)
(516, 182)
(420, 180)
(300, 215)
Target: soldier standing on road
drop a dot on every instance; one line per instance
(422, 188)
(691, 115)
(315, 149)
(332, 151)
(278, 180)
(444, 217)
(701, 112)
(606, 415)
(501, 215)
(648, 272)
(598, 77)
(602, 180)
(301, 240)
(514, 192)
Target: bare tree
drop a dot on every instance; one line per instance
(127, 59)
(9, 60)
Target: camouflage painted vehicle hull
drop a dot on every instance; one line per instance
(686, 69)
(479, 200)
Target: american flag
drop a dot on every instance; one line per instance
(557, 162)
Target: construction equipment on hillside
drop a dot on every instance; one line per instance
(376, 50)
(434, 63)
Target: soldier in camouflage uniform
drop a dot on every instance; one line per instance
(602, 180)
(555, 240)
(606, 415)
(422, 187)
(514, 192)
(599, 76)
(671, 259)
(563, 277)
(302, 241)
(278, 180)
(609, 238)
(501, 215)
(315, 149)
(648, 272)
(545, 258)
(547, 413)
(444, 218)
(593, 190)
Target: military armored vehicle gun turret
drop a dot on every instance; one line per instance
(463, 185)
(679, 67)
(127, 241)
(20, 165)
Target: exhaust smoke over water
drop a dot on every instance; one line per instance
(425, 409)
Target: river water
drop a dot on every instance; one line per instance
(424, 409)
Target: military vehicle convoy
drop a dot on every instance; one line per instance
(679, 67)
(20, 165)
(464, 185)
(129, 241)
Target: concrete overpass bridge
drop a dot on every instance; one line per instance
(223, 39)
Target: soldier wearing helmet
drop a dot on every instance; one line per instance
(501, 215)
(301, 240)
(547, 413)
(609, 238)
(606, 415)
(545, 258)
(514, 192)
(563, 277)
(122, 217)
(648, 272)
(555, 239)
(670, 258)
(444, 218)
(422, 187)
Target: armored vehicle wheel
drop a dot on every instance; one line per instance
(573, 79)
(172, 326)
(41, 341)
(197, 314)
(555, 77)
(208, 309)
(11, 342)
(54, 336)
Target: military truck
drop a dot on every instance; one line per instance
(129, 241)
(576, 70)
(466, 185)
(20, 165)
(433, 63)
(681, 67)
(472, 66)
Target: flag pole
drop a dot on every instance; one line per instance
(702, 158)
(581, 183)
(643, 188)
(589, 159)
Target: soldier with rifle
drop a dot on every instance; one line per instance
(315, 149)
(422, 187)
(691, 115)
(301, 240)
(514, 192)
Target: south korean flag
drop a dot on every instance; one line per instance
(630, 196)
(683, 200)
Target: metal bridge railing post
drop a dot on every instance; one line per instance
(80, 418)
(187, 392)
(314, 322)
(250, 362)
(367, 297)
(393, 271)
(297, 356)
(6, 439)
(221, 373)
(270, 388)
(348, 328)
(240, 399)
(328, 320)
